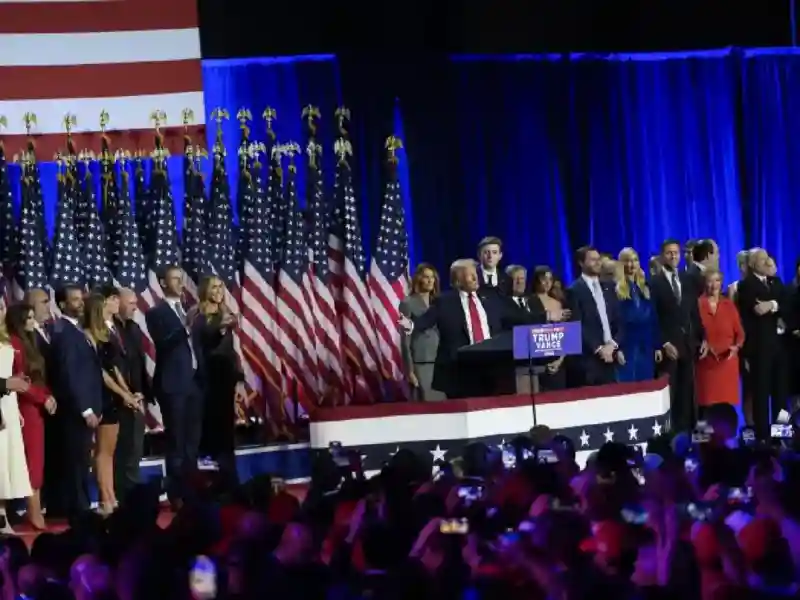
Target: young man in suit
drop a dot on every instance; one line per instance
(177, 381)
(490, 276)
(674, 294)
(79, 391)
(594, 303)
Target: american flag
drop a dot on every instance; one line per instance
(32, 250)
(359, 341)
(388, 275)
(89, 230)
(67, 266)
(193, 247)
(122, 57)
(295, 318)
(259, 335)
(8, 225)
(164, 252)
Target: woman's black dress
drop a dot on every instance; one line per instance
(112, 403)
(222, 375)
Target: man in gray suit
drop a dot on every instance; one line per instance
(419, 348)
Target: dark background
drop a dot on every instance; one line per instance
(400, 30)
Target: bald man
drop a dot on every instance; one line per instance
(130, 443)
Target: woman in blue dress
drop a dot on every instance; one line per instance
(640, 322)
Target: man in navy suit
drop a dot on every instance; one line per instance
(79, 391)
(491, 278)
(177, 381)
(594, 303)
(464, 315)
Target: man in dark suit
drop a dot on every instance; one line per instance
(464, 315)
(518, 293)
(79, 391)
(763, 304)
(674, 294)
(594, 303)
(705, 254)
(130, 443)
(490, 277)
(177, 381)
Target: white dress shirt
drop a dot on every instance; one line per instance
(677, 278)
(175, 304)
(481, 316)
(521, 302)
(600, 303)
(487, 274)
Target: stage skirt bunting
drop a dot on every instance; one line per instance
(629, 413)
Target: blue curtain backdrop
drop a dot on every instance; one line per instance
(548, 152)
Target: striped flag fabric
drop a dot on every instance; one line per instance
(85, 57)
(193, 246)
(8, 225)
(295, 318)
(67, 268)
(323, 306)
(388, 276)
(89, 230)
(258, 331)
(346, 252)
(32, 249)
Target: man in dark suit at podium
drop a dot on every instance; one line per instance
(464, 315)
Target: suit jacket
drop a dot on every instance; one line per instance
(584, 309)
(761, 332)
(79, 380)
(174, 372)
(695, 275)
(503, 282)
(133, 357)
(420, 346)
(678, 323)
(446, 313)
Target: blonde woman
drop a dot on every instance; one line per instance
(213, 324)
(100, 310)
(640, 346)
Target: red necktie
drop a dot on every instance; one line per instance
(478, 334)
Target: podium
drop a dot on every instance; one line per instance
(490, 369)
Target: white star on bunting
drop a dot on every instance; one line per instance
(438, 453)
(633, 433)
(656, 428)
(609, 435)
(584, 438)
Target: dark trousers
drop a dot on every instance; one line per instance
(598, 372)
(130, 447)
(768, 385)
(78, 451)
(681, 389)
(183, 427)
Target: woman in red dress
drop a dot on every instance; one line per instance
(34, 404)
(717, 374)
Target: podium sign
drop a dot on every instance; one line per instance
(548, 340)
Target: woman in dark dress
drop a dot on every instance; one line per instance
(214, 324)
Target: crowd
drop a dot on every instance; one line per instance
(674, 319)
(704, 515)
(76, 388)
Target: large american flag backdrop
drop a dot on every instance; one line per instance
(315, 324)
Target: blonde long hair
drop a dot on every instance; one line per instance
(94, 319)
(4, 335)
(623, 287)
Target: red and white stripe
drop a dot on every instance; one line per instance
(259, 341)
(82, 57)
(330, 361)
(385, 296)
(359, 342)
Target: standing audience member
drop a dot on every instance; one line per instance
(705, 256)
(14, 479)
(178, 380)
(543, 303)
(130, 442)
(761, 300)
(595, 305)
(742, 264)
(681, 333)
(654, 265)
(718, 372)
(419, 348)
(34, 405)
(79, 391)
(641, 347)
(215, 324)
(490, 276)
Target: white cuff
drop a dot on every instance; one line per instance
(87, 412)
(774, 305)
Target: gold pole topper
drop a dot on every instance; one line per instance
(159, 119)
(291, 149)
(393, 144)
(122, 157)
(187, 118)
(105, 119)
(269, 116)
(342, 148)
(218, 115)
(311, 114)
(313, 151)
(29, 119)
(342, 115)
(254, 151)
(3, 122)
